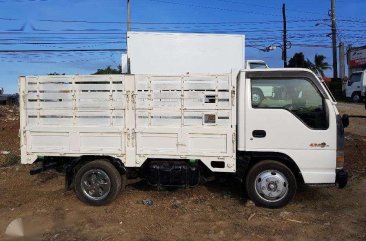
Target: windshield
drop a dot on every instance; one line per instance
(355, 77)
(296, 95)
(258, 65)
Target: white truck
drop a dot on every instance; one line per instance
(356, 86)
(187, 110)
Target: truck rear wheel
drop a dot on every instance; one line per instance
(98, 182)
(270, 184)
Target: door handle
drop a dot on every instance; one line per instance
(259, 133)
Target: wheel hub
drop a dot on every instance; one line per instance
(96, 184)
(271, 185)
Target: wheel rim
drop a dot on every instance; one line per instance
(356, 98)
(96, 184)
(271, 185)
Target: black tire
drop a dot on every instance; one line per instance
(278, 174)
(356, 97)
(108, 174)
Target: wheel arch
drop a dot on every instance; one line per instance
(252, 158)
(75, 164)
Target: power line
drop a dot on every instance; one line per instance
(80, 21)
(312, 46)
(247, 4)
(268, 7)
(53, 33)
(219, 8)
(60, 43)
(312, 37)
(60, 50)
(176, 23)
(102, 31)
(79, 30)
(60, 38)
(195, 24)
(211, 7)
(243, 30)
(8, 19)
(352, 20)
(22, 1)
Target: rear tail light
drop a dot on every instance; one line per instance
(340, 159)
(340, 143)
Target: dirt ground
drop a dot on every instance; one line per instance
(216, 211)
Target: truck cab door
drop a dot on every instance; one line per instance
(289, 113)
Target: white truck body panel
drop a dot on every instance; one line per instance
(181, 53)
(130, 117)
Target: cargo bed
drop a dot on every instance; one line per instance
(130, 117)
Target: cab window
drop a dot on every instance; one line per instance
(299, 96)
(354, 78)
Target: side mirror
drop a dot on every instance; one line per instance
(345, 120)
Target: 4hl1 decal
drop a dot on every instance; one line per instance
(322, 145)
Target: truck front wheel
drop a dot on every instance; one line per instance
(356, 97)
(270, 184)
(98, 182)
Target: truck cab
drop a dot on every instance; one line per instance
(356, 86)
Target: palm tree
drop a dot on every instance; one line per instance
(298, 61)
(319, 65)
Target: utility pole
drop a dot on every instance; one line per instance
(342, 65)
(334, 39)
(349, 48)
(284, 49)
(128, 29)
(128, 15)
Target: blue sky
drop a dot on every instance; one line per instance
(100, 24)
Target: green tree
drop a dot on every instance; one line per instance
(298, 61)
(319, 65)
(110, 70)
